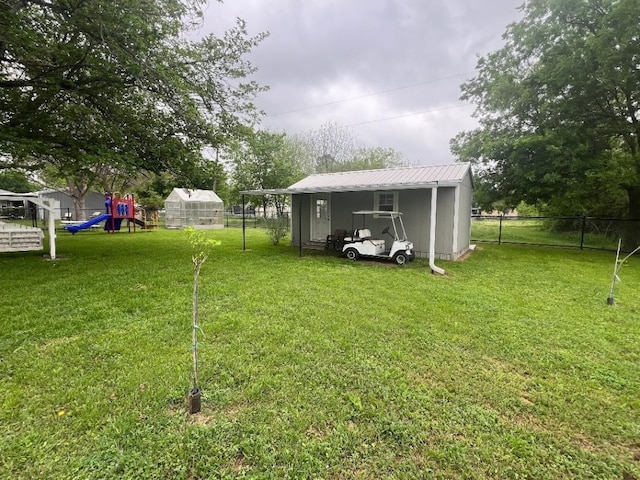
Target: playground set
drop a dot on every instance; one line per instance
(117, 209)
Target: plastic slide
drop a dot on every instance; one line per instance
(93, 221)
(139, 222)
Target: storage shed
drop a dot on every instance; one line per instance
(198, 208)
(435, 200)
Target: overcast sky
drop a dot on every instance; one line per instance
(389, 69)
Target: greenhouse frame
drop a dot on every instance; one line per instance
(201, 209)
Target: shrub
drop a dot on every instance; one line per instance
(277, 228)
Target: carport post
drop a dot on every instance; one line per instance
(244, 240)
(299, 225)
(52, 234)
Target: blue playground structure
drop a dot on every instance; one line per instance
(118, 209)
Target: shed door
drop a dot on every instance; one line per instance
(320, 216)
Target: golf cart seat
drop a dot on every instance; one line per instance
(354, 237)
(365, 235)
(359, 235)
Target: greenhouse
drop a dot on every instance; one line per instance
(198, 208)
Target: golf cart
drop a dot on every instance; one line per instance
(362, 244)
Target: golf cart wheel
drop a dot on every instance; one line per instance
(352, 254)
(400, 258)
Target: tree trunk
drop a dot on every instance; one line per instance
(631, 231)
(78, 192)
(79, 206)
(634, 201)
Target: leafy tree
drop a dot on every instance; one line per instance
(331, 147)
(558, 108)
(16, 182)
(371, 159)
(334, 149)
(263, 160)
(266, 160)
(152, 189)
(87, 84)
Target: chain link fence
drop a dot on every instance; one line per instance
(569, 232)
(231, 219)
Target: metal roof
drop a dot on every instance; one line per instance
(20, 196)
(193, 195)
(401, 178)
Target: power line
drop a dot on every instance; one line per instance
(433, 110)
(381, 92)
(378, 120)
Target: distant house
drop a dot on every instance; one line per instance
(4, 203)
(14, 208)
(436, 202)
(198, 208)
(64, 206)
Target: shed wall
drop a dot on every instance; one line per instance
(343, 203)
(298, 202)
(464, 220)
(444, 223)
(414, 204)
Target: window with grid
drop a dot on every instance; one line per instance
(386, 201)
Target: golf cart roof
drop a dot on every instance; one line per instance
(378, 212)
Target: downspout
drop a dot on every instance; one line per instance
(432, 231)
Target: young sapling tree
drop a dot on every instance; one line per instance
(201, 247)
(616, 269)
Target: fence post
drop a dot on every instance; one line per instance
(244, 238)
(584, 224)
(500, 231)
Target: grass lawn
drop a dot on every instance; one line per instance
(510, 366)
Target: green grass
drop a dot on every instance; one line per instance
(510, 366)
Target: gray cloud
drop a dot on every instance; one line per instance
(330, 51)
